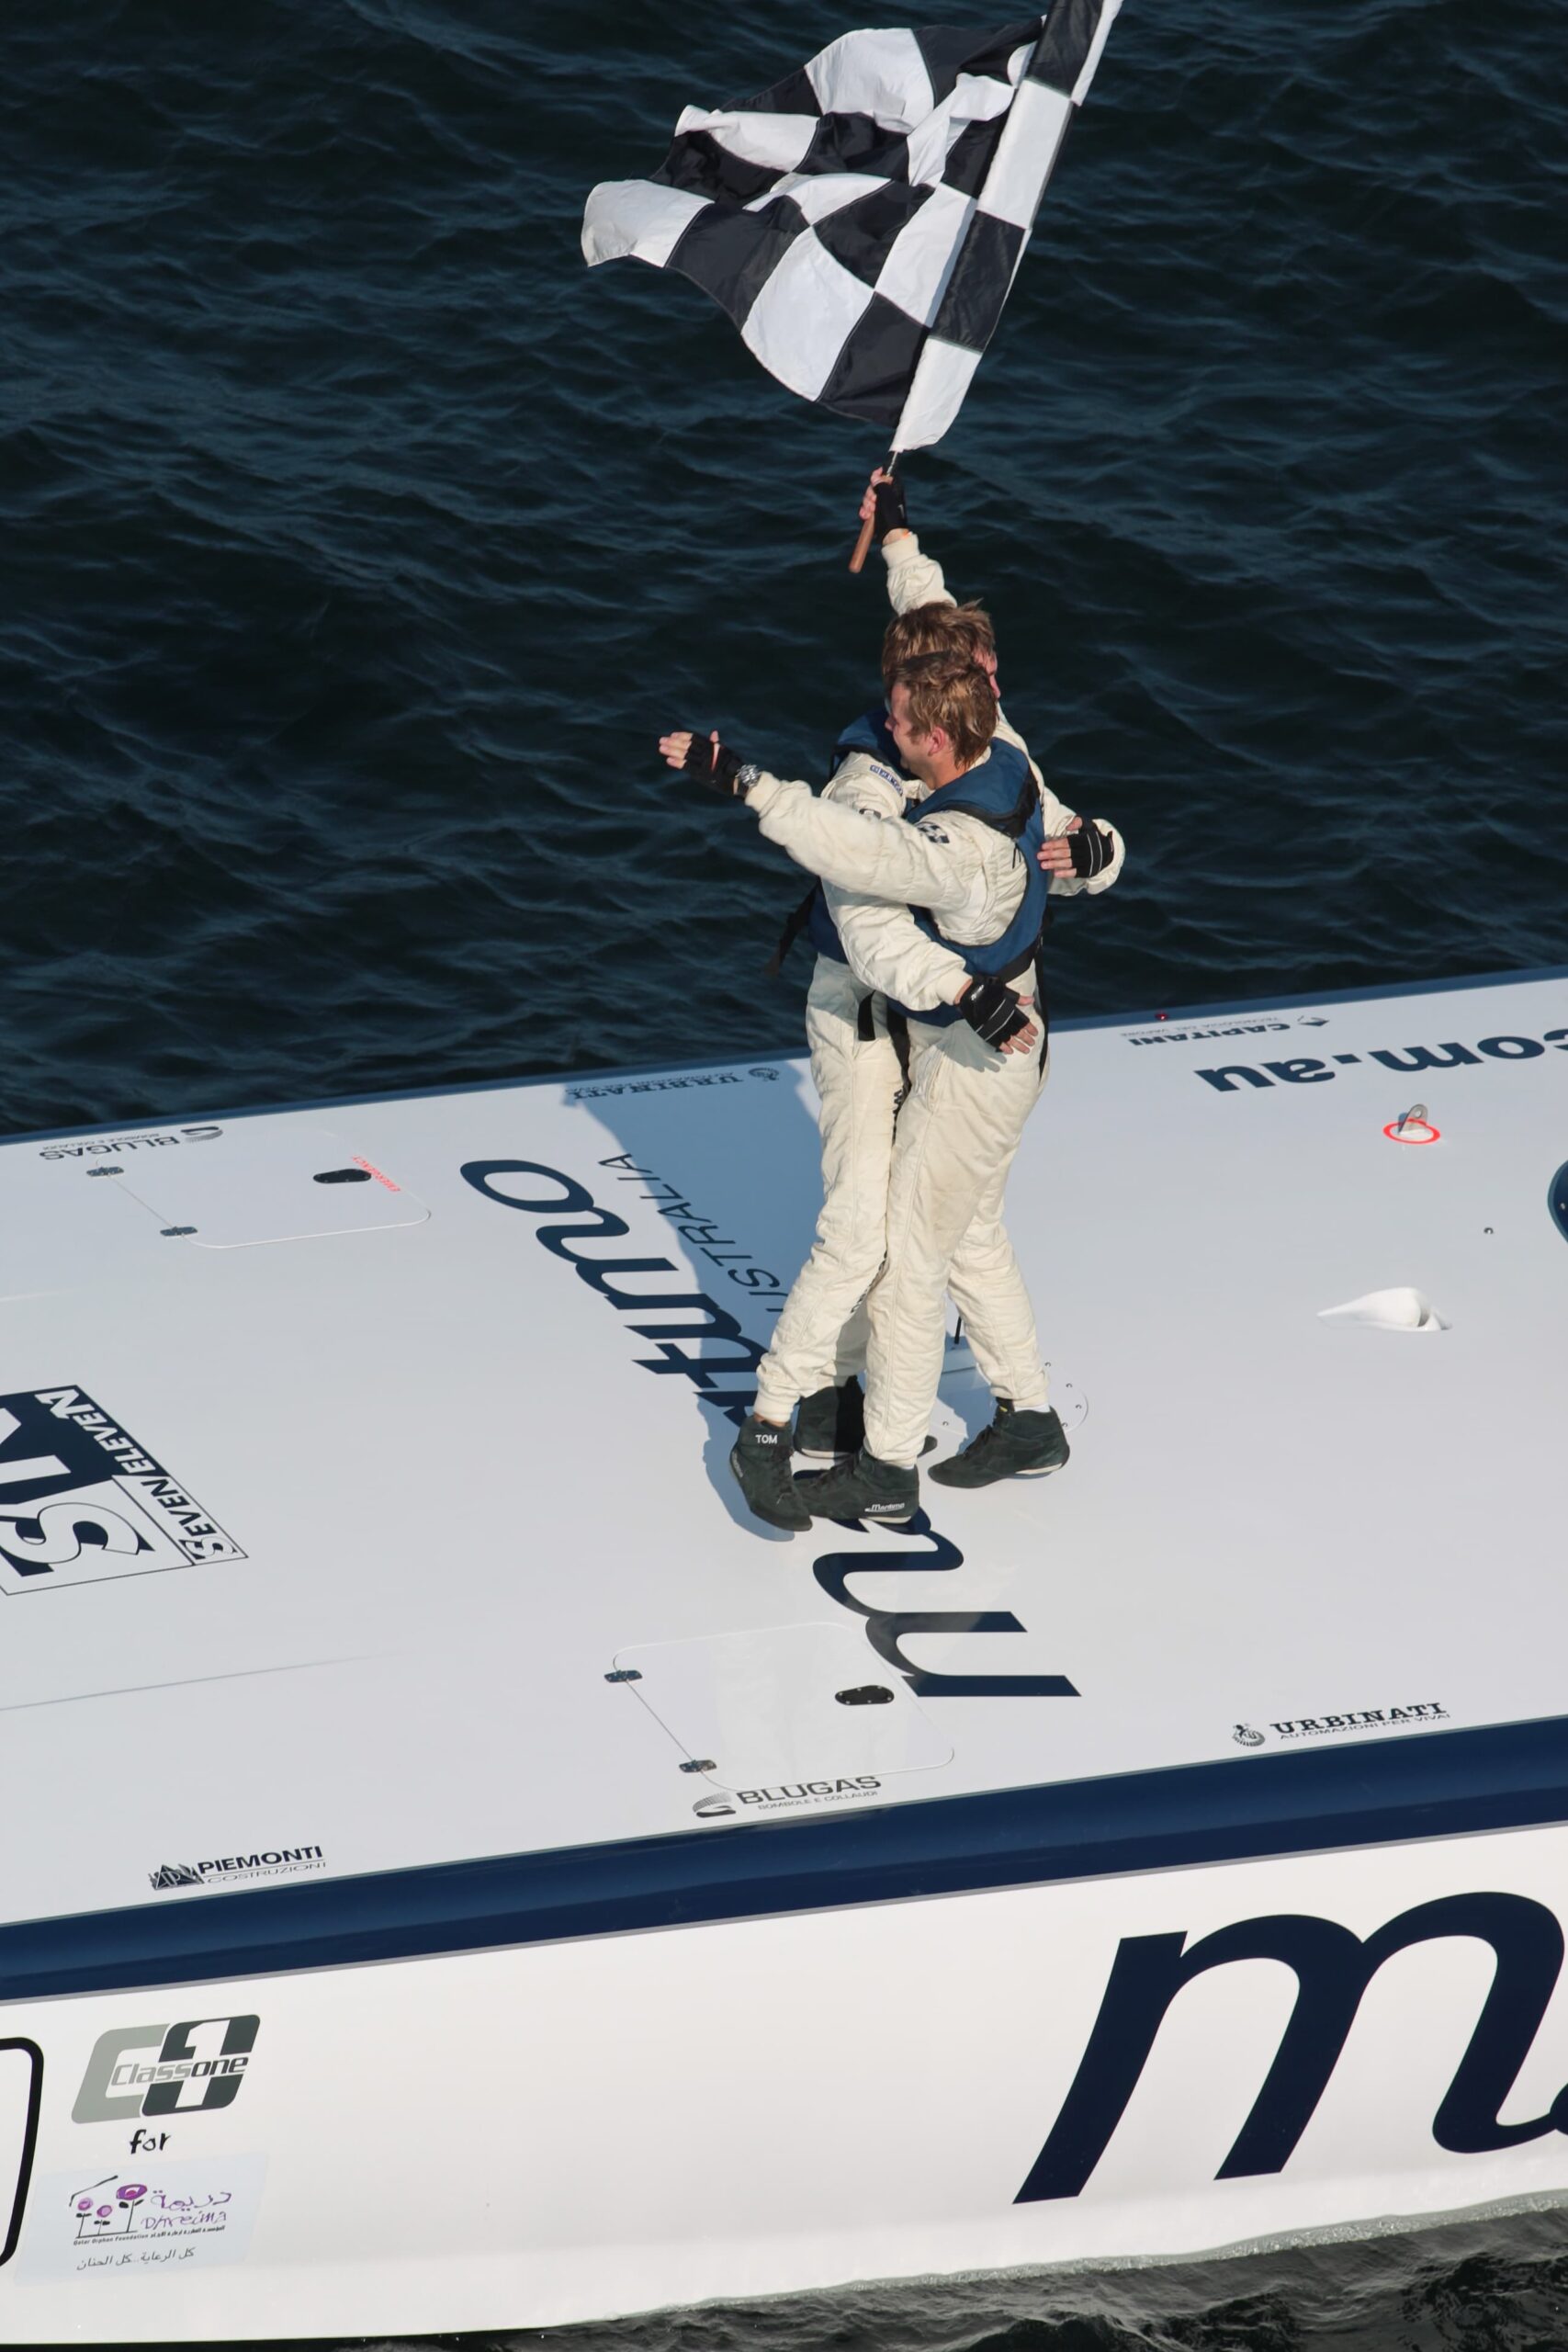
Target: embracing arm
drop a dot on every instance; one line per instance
(866, 854)
(924, 865)
(1061, 865)
(913, 864)
(1095, 864)
(883, 945)
(886, 950)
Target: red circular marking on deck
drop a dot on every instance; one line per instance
(1433, 1135)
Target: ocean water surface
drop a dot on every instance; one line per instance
(357, 543)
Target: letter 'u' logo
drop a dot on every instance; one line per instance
(1333, 1967)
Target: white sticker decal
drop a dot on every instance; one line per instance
(163, 2217)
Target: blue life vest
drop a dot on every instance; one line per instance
(1002, 794)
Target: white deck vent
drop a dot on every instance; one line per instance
(1401, 1309)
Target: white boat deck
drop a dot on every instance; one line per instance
(329, 1510)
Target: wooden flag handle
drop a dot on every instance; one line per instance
(862, 544)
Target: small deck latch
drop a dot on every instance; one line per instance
(699, 1764)
(105, 1171)
(1414, 1125)
(624, 1674)
(171, 1232)
(866, 1694)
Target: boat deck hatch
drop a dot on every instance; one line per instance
(256, 1184)
(785, 1704)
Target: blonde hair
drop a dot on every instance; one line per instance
(938, 628)
(951, 691)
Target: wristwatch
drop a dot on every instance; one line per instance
(746, 776)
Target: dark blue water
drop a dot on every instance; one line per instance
(354, 544)
(1474, 2287)
(356, 540)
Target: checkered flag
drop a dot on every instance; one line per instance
(862, 221)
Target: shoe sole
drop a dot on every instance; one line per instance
(1044, 1470)
(785, 1526)
(858, 1518)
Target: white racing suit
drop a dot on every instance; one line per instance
(823, 1335)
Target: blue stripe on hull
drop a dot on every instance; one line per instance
(1380, 1793)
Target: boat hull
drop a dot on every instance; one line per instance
(1021, 2077)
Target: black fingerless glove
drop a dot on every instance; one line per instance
(891, 512)
(715, 763)
(1091, 849)
(991, 1010)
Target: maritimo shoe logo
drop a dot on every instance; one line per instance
(195, 2066)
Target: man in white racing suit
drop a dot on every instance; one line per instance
(974, 1079)
(820, 1342)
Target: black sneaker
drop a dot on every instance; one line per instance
(759, 1459)
(831, 1423)
(863, 1487)
(1015, 1445)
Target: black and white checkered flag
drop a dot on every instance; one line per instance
(862, 222)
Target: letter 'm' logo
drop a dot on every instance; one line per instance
(1333, 1967)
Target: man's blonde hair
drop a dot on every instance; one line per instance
(951, 691)
(938, 628)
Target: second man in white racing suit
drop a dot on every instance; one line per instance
(964, 972)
